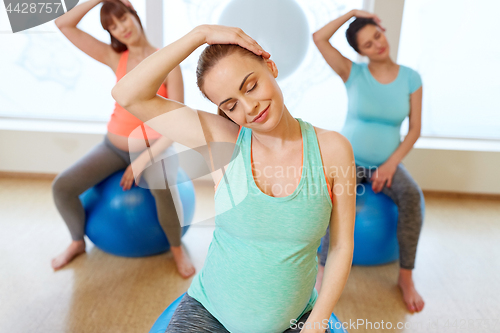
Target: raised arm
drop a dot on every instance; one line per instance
(340, 64)
(93, 47)
(136, 91)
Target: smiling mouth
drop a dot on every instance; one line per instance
(128, 35)
(260, 114)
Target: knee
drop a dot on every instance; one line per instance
(61, 186)
(415, 193)
(413, 197)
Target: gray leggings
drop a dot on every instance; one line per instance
(407, 195)
(192, 317)
(102, 161)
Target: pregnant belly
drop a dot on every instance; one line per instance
(372, 143)
(262, 294)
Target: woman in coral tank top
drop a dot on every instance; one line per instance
(124, 143)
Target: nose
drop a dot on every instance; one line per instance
(251, 106)
(121, 27)
(378, 44)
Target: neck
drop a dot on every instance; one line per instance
(140, 49)
(287, 130)
(384, 63)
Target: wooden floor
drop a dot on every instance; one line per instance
(458, 272)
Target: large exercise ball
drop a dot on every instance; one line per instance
(125, 223)
(375, 238)
(160, 326)
(285, 35)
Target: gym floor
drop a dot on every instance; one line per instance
(458, 264)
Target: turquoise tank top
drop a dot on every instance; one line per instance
(375, 112)
(261, 266)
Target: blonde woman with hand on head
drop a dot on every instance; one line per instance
(122, 147)
(381, 95)
(261, 267)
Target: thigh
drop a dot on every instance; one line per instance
(403, 188)
(92, 168)
(192, 317)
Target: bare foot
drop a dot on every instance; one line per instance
(183, 262)
(319, 277)
(412, 298)
(73, 250)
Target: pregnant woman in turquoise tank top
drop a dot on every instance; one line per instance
(381, 95)
(275, 196)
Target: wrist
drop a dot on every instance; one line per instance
(392, 163)
(198, 35)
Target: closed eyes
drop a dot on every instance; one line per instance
(234, 106)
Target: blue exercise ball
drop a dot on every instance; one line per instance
(334, 324)
(125, 223)
(375, 238)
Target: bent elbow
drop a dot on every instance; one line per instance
(315, 38)
(58, 23)
(415, 131)
(119, 96)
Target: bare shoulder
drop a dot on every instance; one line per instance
(218, 128)
(335, 149)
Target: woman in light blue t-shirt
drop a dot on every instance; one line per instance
(381, 95)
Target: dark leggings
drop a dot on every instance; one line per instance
(102, 161)
(192, 317)
(407, 195)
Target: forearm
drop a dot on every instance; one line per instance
(142, 82)
(325, 33)
(75, 15)
(404, 147)
(337, 269)
(156, 148)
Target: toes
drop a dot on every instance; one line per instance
(187, 273)
(56, 265)
(420, 305)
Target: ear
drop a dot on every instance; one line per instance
(271, 65)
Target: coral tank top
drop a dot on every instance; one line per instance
(123, 122)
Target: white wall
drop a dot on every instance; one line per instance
(390, 13)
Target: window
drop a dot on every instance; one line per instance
(45, 76)
(452, 45)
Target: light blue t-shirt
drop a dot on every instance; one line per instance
(375, 112)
